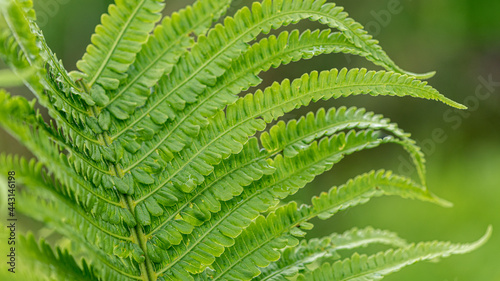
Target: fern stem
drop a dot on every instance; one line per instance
(200, 191)
(146, 267)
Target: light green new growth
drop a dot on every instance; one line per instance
(149, 164)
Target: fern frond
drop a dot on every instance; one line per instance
(106, 237)
(19, 117)
(240, 170)
(312, 127)
(18, 47)
(375, 267)
(67, 97)
(229, 130)
(182, 129)
(163, 49)
(211, 56)
(309, 253)
(233, 174)
(227, 181)
(58, 265)
(13, 21)
(356, 238)
(99, 242)
(261, 56)
(208, 58)
(258, 244)
(150, 166)
(205, 63)
(39, 182)
(96, 209)
(117, 40)
(369, 185)
(53, 88)
(243, 72)
(209, 240)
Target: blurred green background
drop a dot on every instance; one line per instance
(460, 39)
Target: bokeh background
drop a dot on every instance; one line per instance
(460, 39)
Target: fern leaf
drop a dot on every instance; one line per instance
(278, 230)
(64, 103)
(251, 157)
(20, 119)
(375, 267)
(13, 21)
(231, 176)
(168, 43)
(105, 221)
(34, 175)
(308, 253)
(211, 56)
(228, 41)
(117, 40)
(103, 229)
(356, 238)
(229, 130)
(295, 259)
(101, 240)
(234, 173)
(242, 74)
(18, 47)
(149, 163)
(67, 96)
(254, 248)
(209, 59)
(366, 186)
(344, 119)
(208, 240)
(98, 209)
(181, 130)
(268, 52)
(59, 265)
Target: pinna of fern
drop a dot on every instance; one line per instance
(149, 164)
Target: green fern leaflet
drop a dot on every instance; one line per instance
(149, 166)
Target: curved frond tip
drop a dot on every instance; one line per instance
(376, 267)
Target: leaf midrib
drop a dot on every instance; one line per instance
(212, 94)
(266, 241)
(252, 118)
(267, 155)
(113, 48)
(63, 73)
(262, 190)
(158, 58)
(313, 211)
(186, 80)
